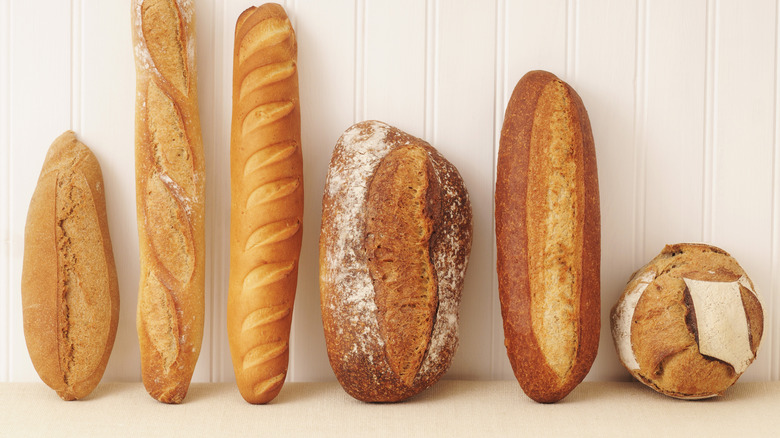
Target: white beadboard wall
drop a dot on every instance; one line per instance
(682, 96)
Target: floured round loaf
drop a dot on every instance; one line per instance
(395, 241)
(689, 322)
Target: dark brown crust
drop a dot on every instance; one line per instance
(690, 315)
(40, 284)
(358, 360)
(755, 319)
(533, 373)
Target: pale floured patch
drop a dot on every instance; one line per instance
(721, 321)
(624, 314)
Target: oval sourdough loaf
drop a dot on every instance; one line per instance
(70, 294)
(266, 215)
(170, 198)
(548, 237)
(394, 246)
(689, 322)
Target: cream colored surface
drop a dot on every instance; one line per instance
(721, 322)
(681, 97)
(449, 408)
(621, 329)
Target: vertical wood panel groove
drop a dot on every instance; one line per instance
(5, 190)
(710, 105)
(431, 39)
(499, 98)
(570, 62)
(215, 254)
(774, 291)
(76, 59)
(224, 27)
(292, 9)
(640, 133)
(359, 105)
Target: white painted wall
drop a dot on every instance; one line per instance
(682, 96)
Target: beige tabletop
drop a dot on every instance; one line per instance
(450, 408)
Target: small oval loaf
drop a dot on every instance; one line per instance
(548, 237)
(266, 174)
(689, 323)
(70, 294)
(394, 247)
(170, 205)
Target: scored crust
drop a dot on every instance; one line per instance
(170, 205)
(267, 194)
(401, 210)
(660, 327)
(357, 346)
(70, 294)
(548, 237)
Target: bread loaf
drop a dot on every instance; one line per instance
(394, 246)
(169, 196)
(70, 294)
(266, 175)
(689, 322)
(548, 237)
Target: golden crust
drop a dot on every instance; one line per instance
(548, 275)
(266, 200)
(70, 293)
(664, 335)
(170, 191)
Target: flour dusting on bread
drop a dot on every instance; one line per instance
(350, 312)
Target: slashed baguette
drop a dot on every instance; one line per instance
(169, 196)
(266, 175)
(70, 294)
(548, 237)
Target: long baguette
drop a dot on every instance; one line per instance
(266, 175)
(169, 196)
(548, 237)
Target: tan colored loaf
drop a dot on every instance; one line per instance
(169, 196)
(394, 247)
(266, 215)
(689, 322)
(548, 237)
(70, 294)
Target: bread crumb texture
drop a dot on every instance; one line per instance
(555, 228)
(700, 305)
(83, 283)
(398, 234)
(170, 146)
(162, 30)
(158, 315)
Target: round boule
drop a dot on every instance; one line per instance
(689, 322)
